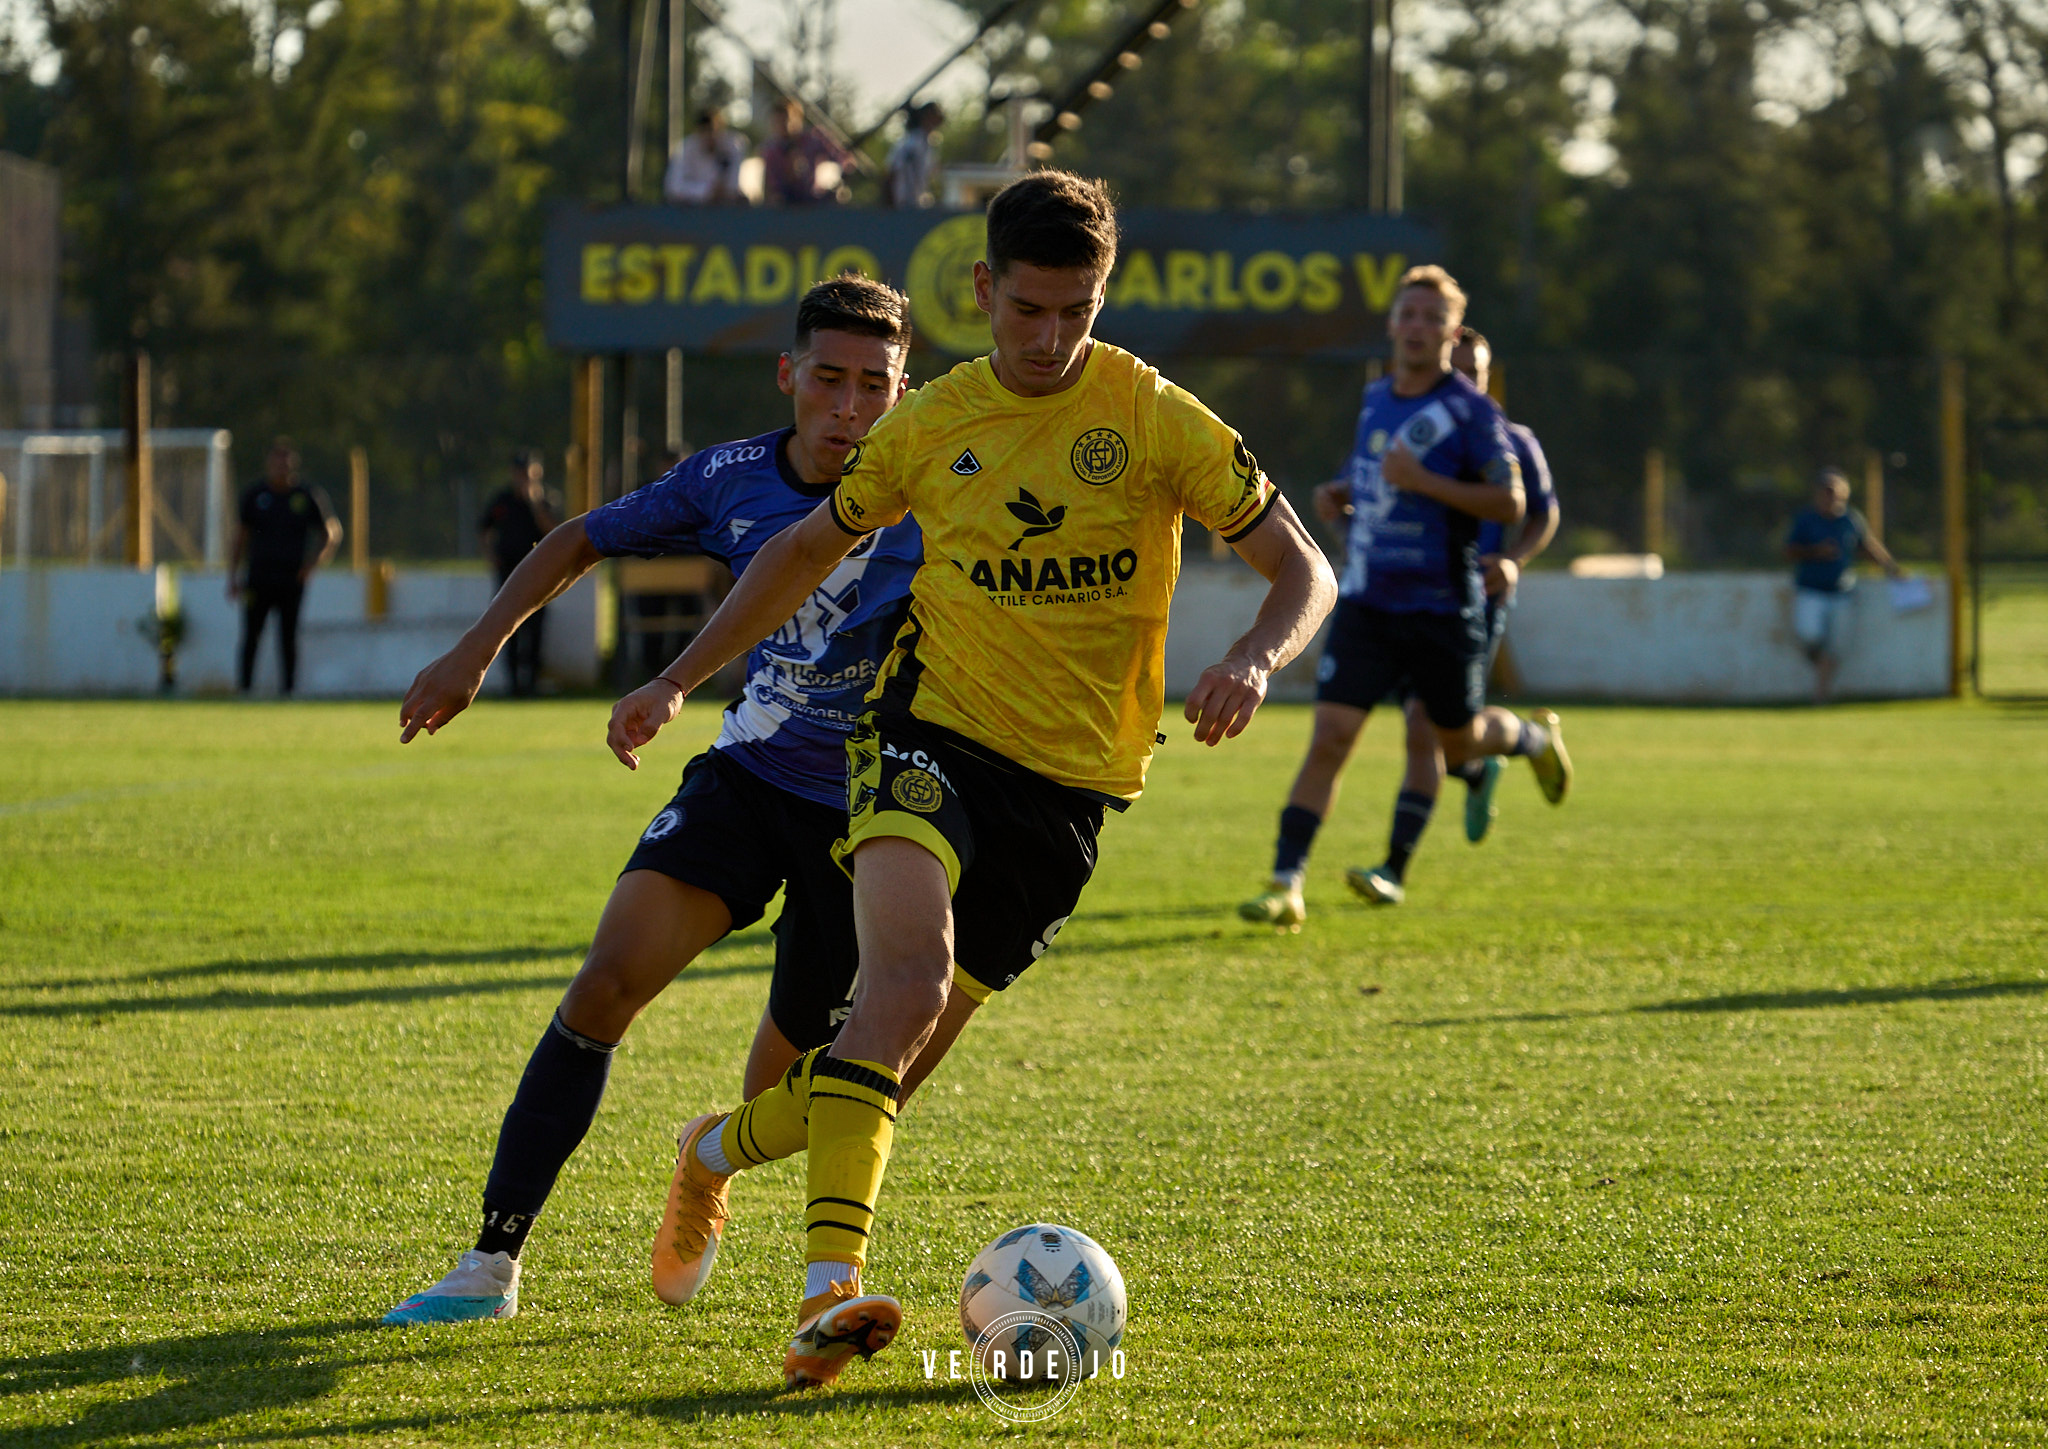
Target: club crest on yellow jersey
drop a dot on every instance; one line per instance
(1099, 456)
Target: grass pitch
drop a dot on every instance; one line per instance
(1706, 1109)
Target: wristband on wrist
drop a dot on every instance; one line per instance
(664, 679)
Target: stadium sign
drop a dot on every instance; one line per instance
(726, 279)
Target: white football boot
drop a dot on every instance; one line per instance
(482, 1285)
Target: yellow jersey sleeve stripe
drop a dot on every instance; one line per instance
(1258, 516)
(840, 519)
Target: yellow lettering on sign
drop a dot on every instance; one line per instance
(1187, 281)
(1321, 287)
(598, 260)
(1225, 297)
(717, 280)
(1137, 282)
(1270, 281)
(636, 273)
(1376, 278)
(851, 259)
(806, 267)
(675, 268)
(769, 274)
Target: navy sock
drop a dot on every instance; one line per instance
(554, 1106)
(1297, 833)
(1472, 772)
(1534, 741)
(1411, 817)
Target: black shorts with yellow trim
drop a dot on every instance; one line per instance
(1018, 848)
(730, 832)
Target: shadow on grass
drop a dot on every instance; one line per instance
(1938, 991)
(197, 1380)
(197, 1384)
(224, 999)
(364, 961)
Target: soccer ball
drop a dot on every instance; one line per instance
(1027, 1280)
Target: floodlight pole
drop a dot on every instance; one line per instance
(1379, 108)
(678, 107)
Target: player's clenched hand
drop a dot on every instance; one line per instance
(1401, 468)
(1223, 700)
(1502, 574)
(638, 717)
(439, 692)
(1333, 500)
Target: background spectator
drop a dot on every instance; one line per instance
(793, 156)
(1823, 545)
(914, 158)
(513, 522)
(278, 517)
(705, 168)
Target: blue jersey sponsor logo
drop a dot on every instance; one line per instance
(808, 682)
(1405, 553)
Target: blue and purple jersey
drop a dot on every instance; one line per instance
(1539, 493)
(808, 682)
(1405, 553)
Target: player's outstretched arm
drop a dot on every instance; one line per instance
(445, 688)
(1303, 590)
(774, 586)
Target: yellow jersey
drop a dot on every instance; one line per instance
(1052, 531)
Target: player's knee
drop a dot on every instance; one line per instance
(605, 996)
(909, 981)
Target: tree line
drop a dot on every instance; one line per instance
(1738, 231)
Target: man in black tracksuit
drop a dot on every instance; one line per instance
(279, 517)
(517, 518)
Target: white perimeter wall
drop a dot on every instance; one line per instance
(1684, 638)
(75, 631)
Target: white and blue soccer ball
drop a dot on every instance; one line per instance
(1030, 1279)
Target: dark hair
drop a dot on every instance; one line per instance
(1473, 338)
(524, 458)
(853, 303)
(1053, 219)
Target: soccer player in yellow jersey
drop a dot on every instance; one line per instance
(1021, 700)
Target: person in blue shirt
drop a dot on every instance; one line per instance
(757, 812)
(1825, 540)
(1503, 552)
(1430, 463)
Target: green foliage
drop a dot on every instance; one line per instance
(1706, 1108)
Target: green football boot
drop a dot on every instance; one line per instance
(1479, 806)
(1377, 886)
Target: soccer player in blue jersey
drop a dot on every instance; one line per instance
(1430, 464)
(1823, 544)
(1501, 562)
(756, 813)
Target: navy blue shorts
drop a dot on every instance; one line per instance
(729, 832)
(1374, 655)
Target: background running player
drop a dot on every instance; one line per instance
(1501, 564)
(760, 809)
(1020, 701)
(1430, 463)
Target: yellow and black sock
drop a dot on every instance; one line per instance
(852, 1125)
(772, 1125)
